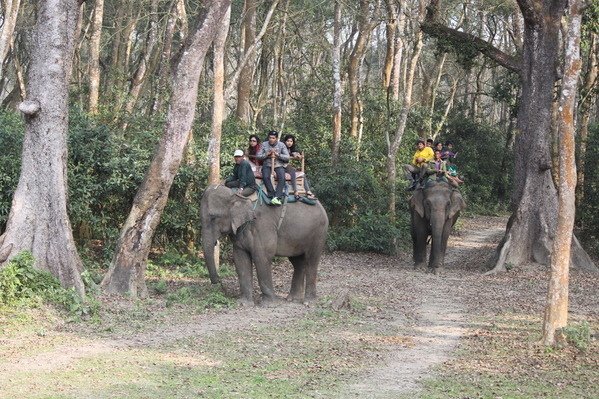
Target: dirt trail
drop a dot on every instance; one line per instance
(424, 312)
(440, 318)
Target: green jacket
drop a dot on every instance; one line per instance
(243, 172)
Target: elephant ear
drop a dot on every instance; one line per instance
(241, 213)
(417, 202)
(457, 204)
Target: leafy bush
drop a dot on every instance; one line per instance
(22, 285)
(578, 335)
(371, 233)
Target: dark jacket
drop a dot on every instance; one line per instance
(243, 172)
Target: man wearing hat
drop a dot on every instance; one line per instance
(243, 176)
(274, 151)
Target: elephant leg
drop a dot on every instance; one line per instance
(264, 272)
(296, 294)
(243, 266)
(312, 260)
(419, 236)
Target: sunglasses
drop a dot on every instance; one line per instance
(254, 140)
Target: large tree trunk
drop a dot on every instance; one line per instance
(127, 270)
(556, 311)
(94, 56)
(38, 219)
(244, 87)
(532, 226)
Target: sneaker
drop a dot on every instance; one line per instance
(275, 201)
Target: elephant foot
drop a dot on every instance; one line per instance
(418, 266)
(309, 299)
(246, 303)
(294, 298)
(271, 300)
(433, 270)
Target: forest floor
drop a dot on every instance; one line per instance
(379, 330)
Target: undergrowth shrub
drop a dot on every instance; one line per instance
(578, 335)
(21, 285)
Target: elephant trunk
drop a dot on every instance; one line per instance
(438, 242)
(209, 241)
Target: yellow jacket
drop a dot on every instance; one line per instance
(426, 153)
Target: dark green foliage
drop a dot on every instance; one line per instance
(11, 141)
(22, 285)
(480, 154)
(372, 232)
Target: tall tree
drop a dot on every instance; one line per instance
(218, 105)
(38, 219)
(126, 275)
(367, 21)
(10, 12)
(532, 225)
(94, 55)
(393, 141)
(141, 71)
(556, 311)
(244, 86)
(336, 84)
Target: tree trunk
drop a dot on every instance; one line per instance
(249, 53)
(393, 145)
(365, 27)
(532, 226)
(94, 56)
(9, 20)
(391, 31)
(38, 219)
(556, 311)
(244, 87)
(336, 85)
(398, 57)
(127, 270)
(141, 72)
(164, 69)
(218, 107)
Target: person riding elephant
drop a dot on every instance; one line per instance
(296, 230)
(434, 211)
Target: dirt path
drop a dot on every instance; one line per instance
(440, 318)
(420, 315)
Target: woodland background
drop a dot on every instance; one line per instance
(389, 82)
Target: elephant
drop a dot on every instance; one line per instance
(434, 210)
(261, 232)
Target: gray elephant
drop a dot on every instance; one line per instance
(259, 233)
(434, 209)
